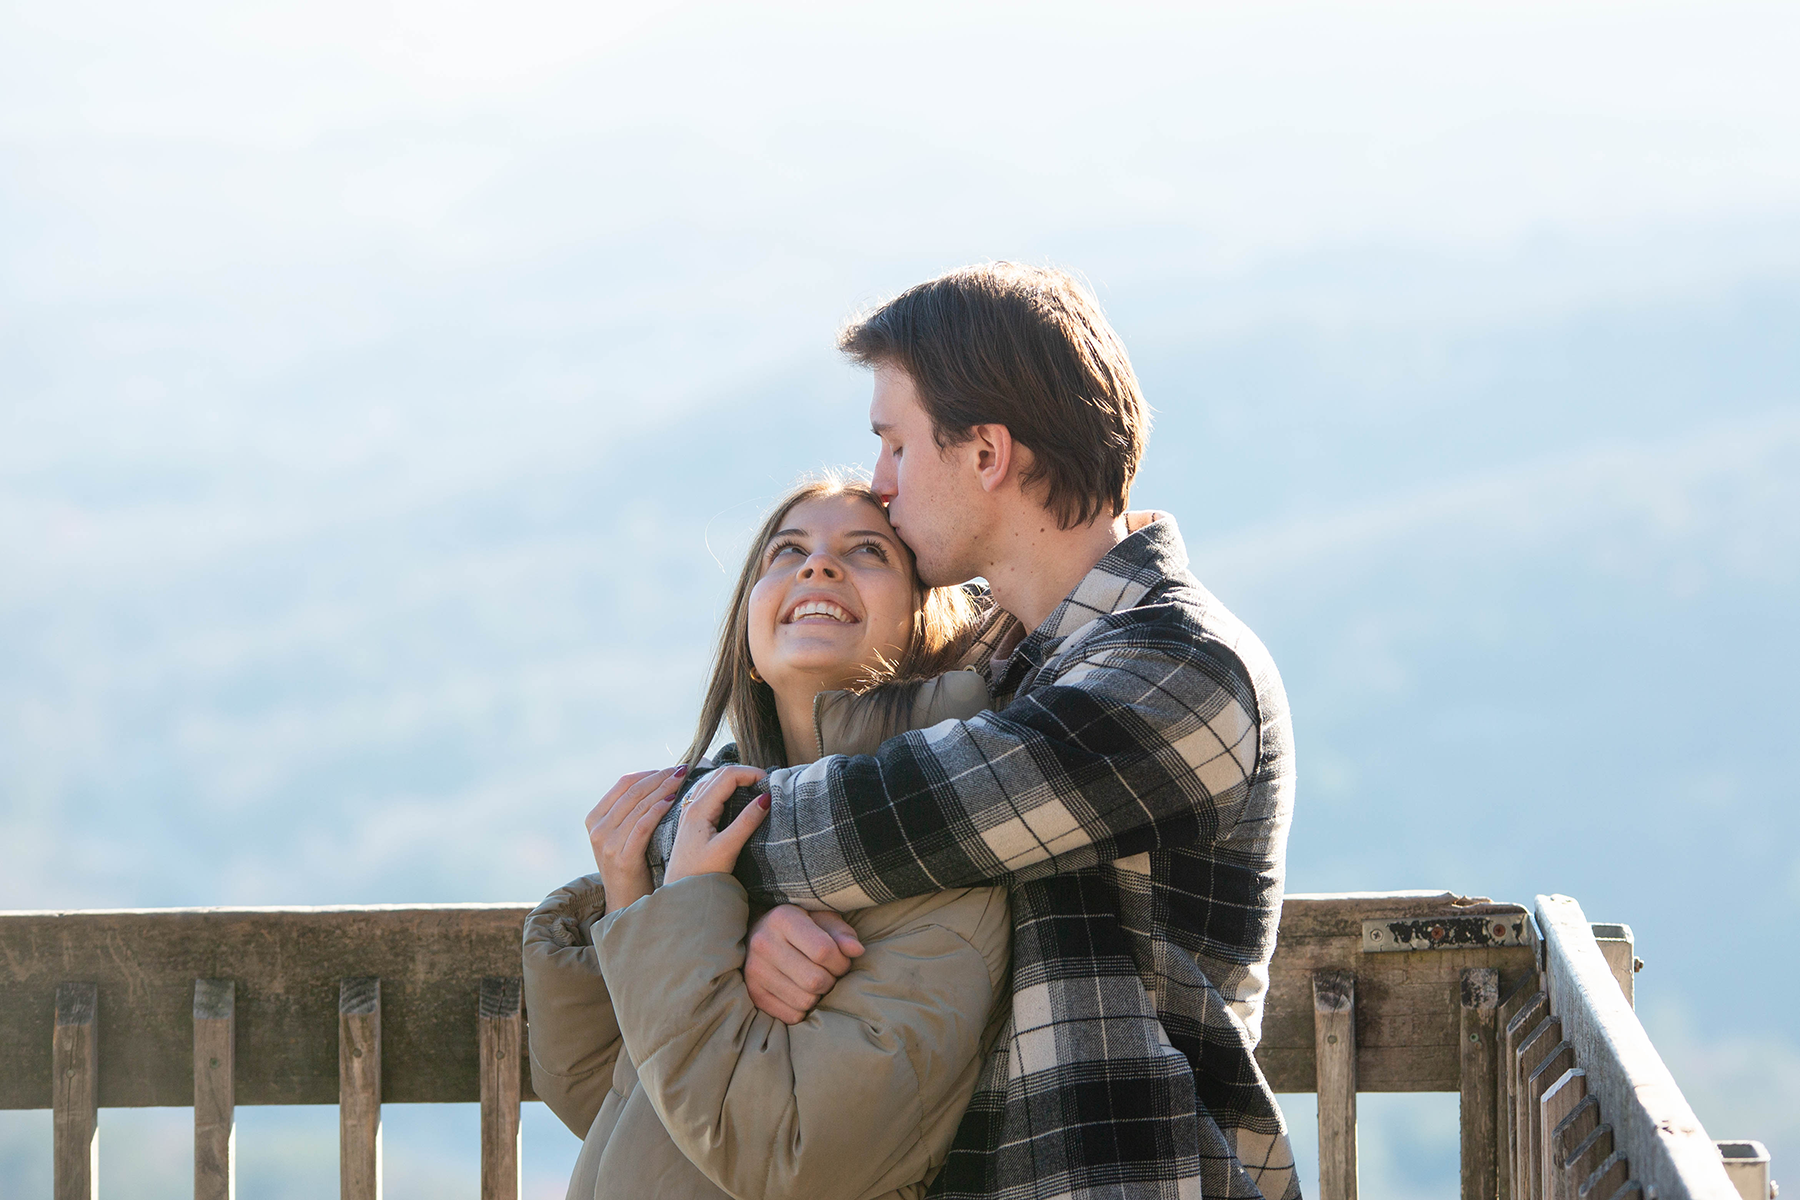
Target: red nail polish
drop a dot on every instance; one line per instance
(681, 770)
(763, 800)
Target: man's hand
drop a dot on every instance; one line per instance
(795, 957)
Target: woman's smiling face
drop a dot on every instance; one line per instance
(836, 592)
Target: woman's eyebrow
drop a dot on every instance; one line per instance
(869, 533)
(787, 533)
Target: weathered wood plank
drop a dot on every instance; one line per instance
(1560, 1059)
(1532, 1049)
(1619, 949)
(502, 1041)
(1527, 990)
(1652, 1122)
(359, 1089)
(1607, 1178)
(1334, 1017)
(1559, 1101)
(215, 1103)
(1568, 1135)
(287, 964)
(75, 1050)
(1587, 1156)
(1480, 999)
(1409, 1036)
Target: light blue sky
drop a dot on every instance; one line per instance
(385, 384)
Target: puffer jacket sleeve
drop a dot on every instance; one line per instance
(859, 1099)
(573, 1033)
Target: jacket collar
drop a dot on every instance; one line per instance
(1149, 554)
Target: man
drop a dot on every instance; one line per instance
(1133, 787)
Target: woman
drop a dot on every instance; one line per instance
(643, 1036)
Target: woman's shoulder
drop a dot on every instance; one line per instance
(858, 722)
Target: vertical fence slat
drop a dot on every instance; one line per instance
(1480, 1000)
(501, 1035)
(1568, 1135)
(1521, 1027)
(1532, 1049)
(1528, 991)
(1587, 1156)
(1608, 1178)
(75, 1091)
(1334, 1039)
(1560, 1099)
(359, 1089)
(215, 1093)
(1560, 1059)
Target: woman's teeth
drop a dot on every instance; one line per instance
(823, 610)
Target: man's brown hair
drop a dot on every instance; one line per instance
(1027, 348)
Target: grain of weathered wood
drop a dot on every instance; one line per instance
(1607, 1178)
(1587, 1156)
(1532, 1049)
(1334, 1017)
(215, 1103)
(1569, 1133)
(1479, 1000)
(359, 1089)
(1408, 1020)
(502, 1040)
(75, 1119)
(287, 963)
(1560, 1099)
(1631, 1189)
(1652, 1122)
(1525, 990)
(1560, 1059)
(1524, 1023)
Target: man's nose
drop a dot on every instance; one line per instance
(883, 482)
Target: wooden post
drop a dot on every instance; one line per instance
(501, 1034)
(359, 1089)
(1523, 1023)
(1619, 949)
(1587, 1156)
(1480, 1000)
(215, 1096)
(75, 1091)
(1532, 1050)
(1560, 1099)
(1334, 1040)
(1527, 991)
(1560, 1059)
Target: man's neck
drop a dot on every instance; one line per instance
(1035, 564)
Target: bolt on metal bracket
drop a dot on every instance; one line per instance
(1445, 933)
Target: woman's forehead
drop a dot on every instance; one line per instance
(821, 516)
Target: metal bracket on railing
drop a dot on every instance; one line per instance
(1444, 933)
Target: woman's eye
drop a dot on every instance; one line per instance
(780, 548)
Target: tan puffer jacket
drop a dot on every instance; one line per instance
(645, 1043)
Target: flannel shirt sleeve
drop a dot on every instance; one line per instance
(1141, 736)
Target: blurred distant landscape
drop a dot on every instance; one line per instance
(370, 445)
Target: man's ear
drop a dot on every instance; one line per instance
(994, 455)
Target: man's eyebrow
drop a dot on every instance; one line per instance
(879, 427)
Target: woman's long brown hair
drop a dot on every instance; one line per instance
(945, 622)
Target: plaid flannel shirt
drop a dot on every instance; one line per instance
(1133, 790)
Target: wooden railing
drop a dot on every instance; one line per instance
(1562, 1094)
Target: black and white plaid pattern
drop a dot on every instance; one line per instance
(1134, 791)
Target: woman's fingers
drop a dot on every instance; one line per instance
(708, 801)
(700, 848)
(730, 840)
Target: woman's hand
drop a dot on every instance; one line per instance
(701, 847)
(619, 828)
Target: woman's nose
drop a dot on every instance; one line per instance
(821, 565)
